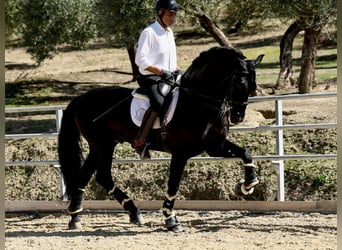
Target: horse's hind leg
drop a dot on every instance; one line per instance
(104, 178)
(127, 203)
(75, 206)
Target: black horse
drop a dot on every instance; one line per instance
(213, 93)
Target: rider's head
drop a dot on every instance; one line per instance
(166, 12)
(170, 5)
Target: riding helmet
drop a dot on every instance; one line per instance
(170, 5)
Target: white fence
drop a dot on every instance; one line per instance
(278, 158)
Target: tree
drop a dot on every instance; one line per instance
(12, 19)
(308, 15)
(205, 13)
(242, 12)
(311, 16)
(285, 59)
(315, 14)
(213, 29)
(48, 24)
(123, 21)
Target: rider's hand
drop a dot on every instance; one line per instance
(178, 75)
(168, 77)
(178, 72)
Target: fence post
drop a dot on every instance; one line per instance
(59, 115)
(279, 165)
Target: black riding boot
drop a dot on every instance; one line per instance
(139, 143)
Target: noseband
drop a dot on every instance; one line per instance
(230, 93)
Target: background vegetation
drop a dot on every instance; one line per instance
(58, 27)
(44, 25)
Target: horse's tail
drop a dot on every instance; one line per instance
(69, 150)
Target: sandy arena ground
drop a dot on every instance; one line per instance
(203, 230)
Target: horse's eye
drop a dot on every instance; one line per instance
(243, 83)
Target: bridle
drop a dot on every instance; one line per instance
(230, 92)
(225, 103)
(223, 107)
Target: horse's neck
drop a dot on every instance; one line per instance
(193, 75)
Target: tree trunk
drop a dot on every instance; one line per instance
(285, 59)
(213, 30)
(308, 60)
(135, 71)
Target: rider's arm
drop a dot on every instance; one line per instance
(155, 70)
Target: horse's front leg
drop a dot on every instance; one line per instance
(229, 149)
(176, 170)
(234, 150)
(244, 187)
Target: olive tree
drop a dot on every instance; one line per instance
(313, 15)
(47, 24)
(310, 16)
(12, 19)
(206, 13)
(243, 12)
(123, 20)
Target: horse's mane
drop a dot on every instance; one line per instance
(217, 55)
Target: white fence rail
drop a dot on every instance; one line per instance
(278, 158)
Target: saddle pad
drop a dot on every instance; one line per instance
(140, 104)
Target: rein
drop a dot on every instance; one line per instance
(215, 104)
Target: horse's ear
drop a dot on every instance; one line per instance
(258, 60)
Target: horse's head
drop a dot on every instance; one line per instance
(242, 85)
(222, 75)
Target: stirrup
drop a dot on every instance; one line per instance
(142, 150)
(145, 153)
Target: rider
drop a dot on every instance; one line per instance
(157, 62)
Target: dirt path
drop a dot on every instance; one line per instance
(203, 230)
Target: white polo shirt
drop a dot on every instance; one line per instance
(156, 47)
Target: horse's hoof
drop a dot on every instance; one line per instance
(251, 179)
(241, 190)
(172, 224)
(75, 210)
(74, 225)
(176, 229)
(136, 219)
(250, 184)
(75, 207)
(246, 191)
